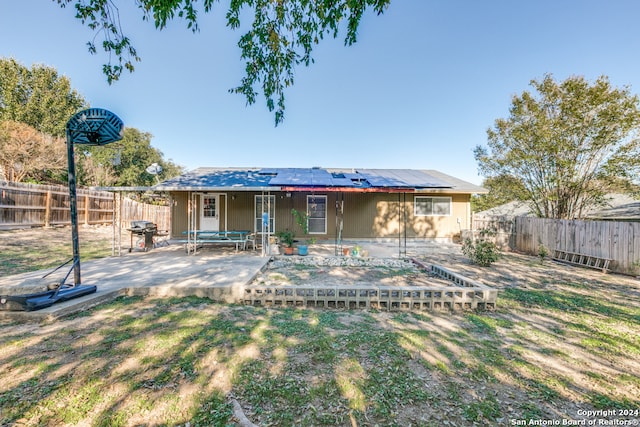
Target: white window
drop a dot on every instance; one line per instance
(317, 209)
(432, 206)
(209, 206)
(265, 204)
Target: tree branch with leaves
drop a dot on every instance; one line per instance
(281, 37)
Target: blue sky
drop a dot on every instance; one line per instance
(419, 89)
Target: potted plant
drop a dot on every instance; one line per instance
(287, 238)
(357, 250)
(302, 219)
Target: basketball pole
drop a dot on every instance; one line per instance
(73, 206)
(93, 126)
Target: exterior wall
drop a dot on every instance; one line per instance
(387, 215)
(235, 210)
(239, 210)
(366, 215)
(179, 213)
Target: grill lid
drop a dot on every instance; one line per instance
(142, 224)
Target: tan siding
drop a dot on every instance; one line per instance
(366, 215)
(383, 215)
(438, 226)
(240, 211)
(331, 216)
(179, 214)
(222, 214)
(284, 204)
(359, 209)
(298, 201)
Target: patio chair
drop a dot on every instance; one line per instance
(161, 238)
(250, 239)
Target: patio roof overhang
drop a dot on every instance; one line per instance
(348, 189)
(216, 189)
(137, 189)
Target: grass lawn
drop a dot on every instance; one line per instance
(35, 249)
(563, 341)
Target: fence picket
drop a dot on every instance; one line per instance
(615, 240)
(33, 205)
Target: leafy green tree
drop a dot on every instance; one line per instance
(123, 163)
(35, 106)
(282, 35)
(37, 96)
(563, 143)
(502, 189)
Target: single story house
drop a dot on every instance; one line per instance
(341, 203)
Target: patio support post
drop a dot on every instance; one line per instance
(404, 220)
(339, 223)
(402, 225)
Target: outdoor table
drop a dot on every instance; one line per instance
(199, 237)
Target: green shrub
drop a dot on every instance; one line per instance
(542, 253)
(481, 251)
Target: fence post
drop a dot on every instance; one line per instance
(86, 209)
(47, 209)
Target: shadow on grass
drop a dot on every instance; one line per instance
(168, 362)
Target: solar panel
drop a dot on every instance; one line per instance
(313, 177)
(212, 178)
(402, 178)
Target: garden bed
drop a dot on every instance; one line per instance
(365, 283)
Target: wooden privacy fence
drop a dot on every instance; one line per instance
(618, 241)
(132, 210)
(615, 240)
(503, 228)
(33, 205)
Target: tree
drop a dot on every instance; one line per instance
(564, 144)
(38, 97)
(123, 163)
(27, 152)
(282, 35)
(502, 189)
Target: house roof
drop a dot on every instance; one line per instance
(507, 211)
(619, 207)
(306, 179)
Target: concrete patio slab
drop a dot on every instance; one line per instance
(168, 271)
(219, 272)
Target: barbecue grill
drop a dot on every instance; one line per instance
(145, 230)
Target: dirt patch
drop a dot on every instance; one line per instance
(317, 271)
